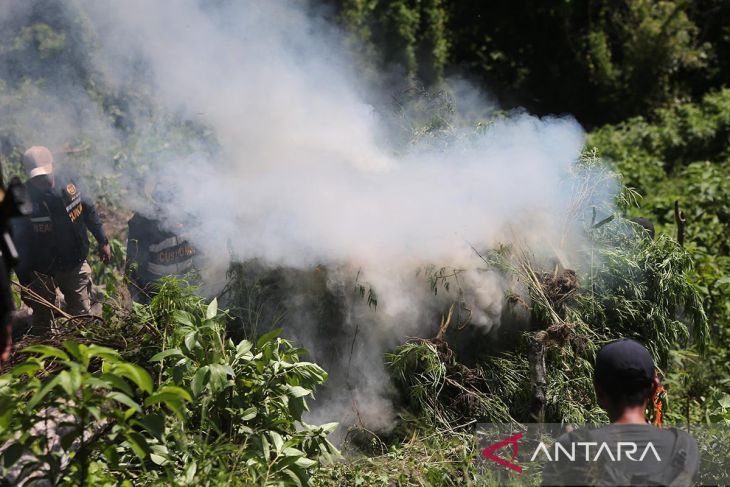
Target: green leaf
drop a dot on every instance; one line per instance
(78, 351)
(124, 399)
(136, 374)
(191, 340)
(265, 447)
(183, 317)
(154, 423)
(6, 416)
(243, 348)
(298, 477)
(218, 376)
(28, 368)
(606, 220)
(278, 441)
(95, 412)
(108, 354)
(190, 472)
(46, 351)
(305, 462)
(298, 391)
(70, 380)
(248, 414)
(267, 337)
(200, 380)
(172, 397)
(138, 443)
(38, 396)
(724, 401)
(328, 427)
(158, 459)
(177, 391)
(111, 455)
(212, 310)
(166, 353)
(293, 452)
(116, 382)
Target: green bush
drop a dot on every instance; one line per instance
(67, 409)
(206, 410)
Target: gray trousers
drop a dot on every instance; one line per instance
(74, 284)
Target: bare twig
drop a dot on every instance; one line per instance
(445, 323)
(681, 223)
(34, 296)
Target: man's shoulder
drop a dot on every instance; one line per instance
(69, 184)
(685, 443)
(69, 189)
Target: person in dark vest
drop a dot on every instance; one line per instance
(626, 382)
(155, 250)
(53, 242)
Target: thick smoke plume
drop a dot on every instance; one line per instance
(307, 174)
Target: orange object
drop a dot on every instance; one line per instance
(658, 405)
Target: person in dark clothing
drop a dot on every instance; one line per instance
(635, 452)
(154, 252)
(53, 241)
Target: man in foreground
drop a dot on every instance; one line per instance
(625, 382)
(53, 242)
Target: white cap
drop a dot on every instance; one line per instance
(38, 161)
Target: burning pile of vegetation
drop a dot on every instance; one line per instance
(637, 288)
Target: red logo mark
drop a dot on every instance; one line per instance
(512, 440)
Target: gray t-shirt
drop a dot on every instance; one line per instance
(626, 454)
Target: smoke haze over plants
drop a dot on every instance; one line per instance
(306, 173)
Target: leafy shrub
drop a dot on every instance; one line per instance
(246, 394)
(207, 411)
(66, 408)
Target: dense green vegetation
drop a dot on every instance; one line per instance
(178, 392)
(600, 61)
(174, 402)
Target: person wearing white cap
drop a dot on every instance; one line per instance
(53, 241)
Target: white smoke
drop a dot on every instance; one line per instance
(306, 175)
(304, 178)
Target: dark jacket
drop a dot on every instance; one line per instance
(154, 252)
(54, 237)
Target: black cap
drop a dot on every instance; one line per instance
(624, 365)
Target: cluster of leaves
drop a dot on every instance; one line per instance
(246, 395)
(204, 411)
(415, 34)
(88, 406)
